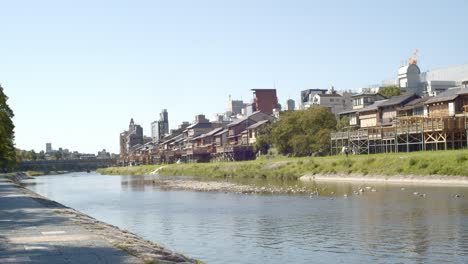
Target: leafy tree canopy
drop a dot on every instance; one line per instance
(390, 91)
(304, 132)
(7, 135)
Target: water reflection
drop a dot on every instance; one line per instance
(390, 225)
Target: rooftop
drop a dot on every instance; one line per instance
(258, 124)
(396, 100)
(373, 106)
(448, 95)
(200, 125)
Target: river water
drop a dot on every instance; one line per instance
(391, 225)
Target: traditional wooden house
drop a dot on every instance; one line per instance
(195, 130)
(253, 130)
(239, 127)
(448, 103)
(388, 109)
(220, 138)
(209, 138)
(369, 116)
(363, 100)
(417, 107)
(352, 116)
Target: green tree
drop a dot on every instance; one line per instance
(342, 123)
(33, 154)
(41, 155)
(303, 132)
(263, 142)
(8, 157)
(58, 155)
(390, 91)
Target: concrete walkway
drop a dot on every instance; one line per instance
(32, 232)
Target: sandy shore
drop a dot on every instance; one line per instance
(442, 180)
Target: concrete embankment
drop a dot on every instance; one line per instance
(37, 230)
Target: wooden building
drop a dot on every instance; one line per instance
(404, 124)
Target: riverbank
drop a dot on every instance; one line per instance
(50, 229)
(435, 166)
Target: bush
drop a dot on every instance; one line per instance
(413, 162)
(460, 158)
(423, 165)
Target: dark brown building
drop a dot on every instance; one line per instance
(265, 100)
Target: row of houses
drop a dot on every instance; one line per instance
(203, 141)
(405, 123)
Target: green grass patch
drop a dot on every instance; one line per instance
(281, 168)
(34, 173)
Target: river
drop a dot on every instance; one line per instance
(391, 225)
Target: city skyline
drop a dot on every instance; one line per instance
(75, 75)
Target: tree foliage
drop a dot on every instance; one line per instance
(7, 135)
(263, 141)
(302, 133)
(342, 123)
(390, 91)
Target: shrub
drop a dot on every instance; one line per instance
(413, 162)
(423, 165)
(460, 158)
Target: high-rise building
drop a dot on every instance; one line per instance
(49, 148)
(135, 135)
(160, 128)
(235, 106)
(290, 105)
(155, 131)
(130, 138)
(164, 124)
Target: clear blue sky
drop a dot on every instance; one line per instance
(77, 71)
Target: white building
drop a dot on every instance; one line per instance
(335, 101)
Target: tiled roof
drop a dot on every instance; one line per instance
(200, 125)
(416, 103)
(221, 132)
(258, 124)
(349, 112)
(448, 95)
(396, 100)
(240, 120)
(212, 132)
(373, 106)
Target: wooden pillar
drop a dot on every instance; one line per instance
(445, 141)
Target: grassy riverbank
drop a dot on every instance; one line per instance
(415, 163)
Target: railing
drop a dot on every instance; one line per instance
(198, 150)
(405, 125)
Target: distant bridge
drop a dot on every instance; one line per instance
(66, 165)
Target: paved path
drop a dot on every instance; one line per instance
(31, 232)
